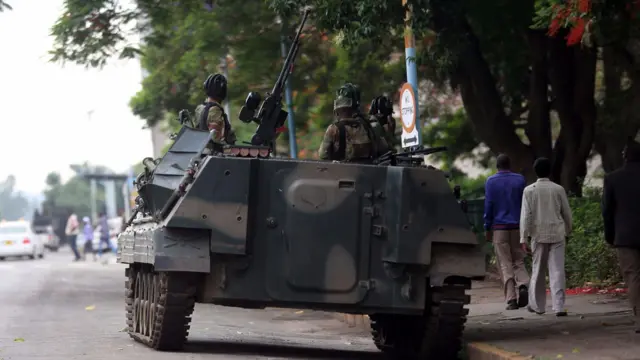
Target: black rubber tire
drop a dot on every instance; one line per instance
(437, 335)
(172, 303)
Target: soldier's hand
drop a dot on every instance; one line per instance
(525, 248)
(489, 236)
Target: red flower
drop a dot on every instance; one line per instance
(584, 6)
(575, 35)
(554, 27)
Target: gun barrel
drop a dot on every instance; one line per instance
(291, 55)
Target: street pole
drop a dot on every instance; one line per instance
(410, 59)
(293, 146)
(225, 70)
(94, 194)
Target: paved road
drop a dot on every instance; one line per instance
(56, 309)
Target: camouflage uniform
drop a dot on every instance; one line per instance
(361, 143)
(386, 131)
(217, 120)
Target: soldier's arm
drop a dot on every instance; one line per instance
(215, 121)
(326, 148)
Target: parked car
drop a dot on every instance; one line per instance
(48, 237)
(18, 239)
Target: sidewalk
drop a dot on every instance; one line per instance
(598, 327)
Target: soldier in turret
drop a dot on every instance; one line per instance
(380, 116)
(350, 138)
(210, 114)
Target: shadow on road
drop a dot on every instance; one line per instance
(289, 351)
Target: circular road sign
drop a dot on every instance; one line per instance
(408, 107)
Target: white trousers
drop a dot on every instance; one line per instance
(549, 256)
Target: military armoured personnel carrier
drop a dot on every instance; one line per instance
(232, 225)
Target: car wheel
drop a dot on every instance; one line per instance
(54, 248)
(2, 258)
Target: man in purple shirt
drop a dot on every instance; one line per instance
(502, 203)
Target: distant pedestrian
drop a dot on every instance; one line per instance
(88, 238)
(503, 199)
(71, 231)
(621, 215)
(545, 222)
(104, 233)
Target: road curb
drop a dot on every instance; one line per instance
(483, 351)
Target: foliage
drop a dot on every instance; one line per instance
(75, 194)
(588, 257)
(13, 205)
(589, 21)
(4, 6)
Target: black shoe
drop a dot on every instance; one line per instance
(561, 313)
(512, 305)
(533, 311)
(523, 296)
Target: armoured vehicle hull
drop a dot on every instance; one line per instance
(248, 231)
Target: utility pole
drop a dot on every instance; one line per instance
(293, 146)
(410, 59)
(225, 71)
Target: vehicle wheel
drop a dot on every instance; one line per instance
(159, 306)
(436, 335)
(2, 258)
(53, 249)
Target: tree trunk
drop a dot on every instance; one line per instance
(619, 117)
(573, 83)
(483, 104)
(538, 128)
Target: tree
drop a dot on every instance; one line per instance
(13, 205)
(74, 194)
(513, 78)
(613, 27)
(186, 43)
(4, 6)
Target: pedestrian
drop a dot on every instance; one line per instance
(71, 231)
(88, 238)
(502, 202)
(621, 215)
(545, 222)
(104, 233)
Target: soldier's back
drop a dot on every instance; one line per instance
(358, 143)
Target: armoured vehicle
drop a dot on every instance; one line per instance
(232, 225)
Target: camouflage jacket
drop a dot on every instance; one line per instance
(384, 128)
(216, 119)
(361, 144)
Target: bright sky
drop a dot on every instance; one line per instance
(44, 125)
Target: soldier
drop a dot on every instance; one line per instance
(380, 117)
(210, 114)
(351, 137)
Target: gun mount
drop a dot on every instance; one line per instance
(271, 117)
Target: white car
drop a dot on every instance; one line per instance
(17, 239)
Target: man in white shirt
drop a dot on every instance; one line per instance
(545, 220)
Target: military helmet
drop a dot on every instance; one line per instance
(216, 86)
(347, 96)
